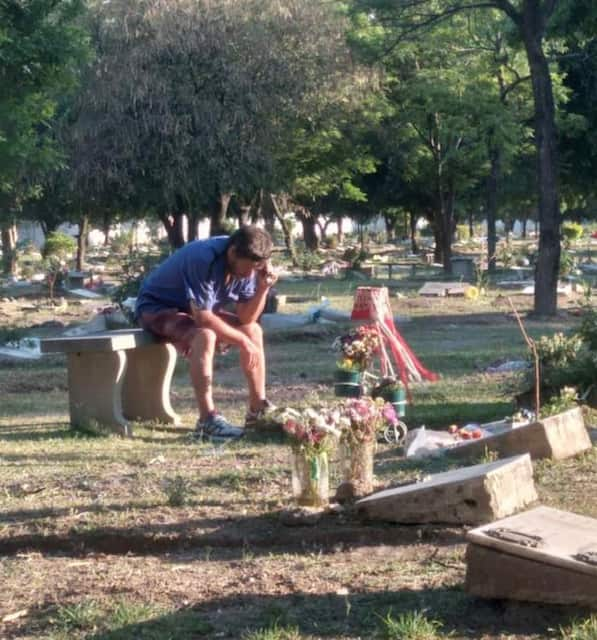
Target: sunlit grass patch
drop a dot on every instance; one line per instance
(581, 630)
(123, 619)
(274, 632)
(412, 625)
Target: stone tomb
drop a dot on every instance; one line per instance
(541, 555)
(472, 495)
(557, 437)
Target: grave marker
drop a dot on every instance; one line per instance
(472, 495)
(541, 555)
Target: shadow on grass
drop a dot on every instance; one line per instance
(356, 615)
(36, 432)
(23, 515)
(261, 535)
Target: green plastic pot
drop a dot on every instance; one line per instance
(343, 375)
(348, 390)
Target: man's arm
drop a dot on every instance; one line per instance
(224, 331)
(227, 333)
(250, 310)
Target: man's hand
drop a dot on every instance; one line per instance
(266, 276)
(250, 351)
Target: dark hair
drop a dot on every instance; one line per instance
(251, 242)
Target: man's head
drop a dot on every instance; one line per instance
(249, 248)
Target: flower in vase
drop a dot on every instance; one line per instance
(361, 418)
(359, 346)
(310, 430)
(347, 364)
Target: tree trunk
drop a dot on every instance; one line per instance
(389, 223)
(9, 249)
(218, 212)
(438, 256)
(309, 233)
(270, 201)
(193, 222)
(548, 260)
(48, 227)
(106, 224)
(413, 233)
(268, 214)
(244, 215)
(492, 187)
(173, 223)
(447, 229)
(340, 230)
(444, 227)
(524, 223)
(82, 242)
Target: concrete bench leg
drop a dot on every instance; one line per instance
(146, 388)
(94, 389)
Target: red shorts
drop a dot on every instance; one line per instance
(179, 328)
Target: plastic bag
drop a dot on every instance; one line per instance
(423, 442)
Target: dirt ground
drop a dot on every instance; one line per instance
(90, 546)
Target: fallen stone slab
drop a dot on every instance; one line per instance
(443, 289)
(542, 555)
(557, 437)
(472, 495)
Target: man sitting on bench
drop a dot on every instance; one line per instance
(181, 302)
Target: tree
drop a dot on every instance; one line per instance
(190, 102)
(41, 46)
(405, 18)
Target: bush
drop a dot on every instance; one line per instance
(134, 270)
(308, 260)
(572, 231)
(463, 232)
(355, 256)
(332, 242)
(121, 244)
(59, 245)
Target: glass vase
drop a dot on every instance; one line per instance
(356, 463)
(310, 478)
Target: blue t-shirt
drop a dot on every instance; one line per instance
(195, 273)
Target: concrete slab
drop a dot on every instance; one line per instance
(472, 495)
(557, 437)
(442, 289)
(542, 555)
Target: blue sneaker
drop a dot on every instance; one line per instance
(217, 429)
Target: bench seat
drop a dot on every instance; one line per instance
(117, 376)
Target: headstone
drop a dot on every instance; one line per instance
(463, 267)
(471, 495)
(541, 555)
(557, 437)
(76, 279)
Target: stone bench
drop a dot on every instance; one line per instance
(117, 376)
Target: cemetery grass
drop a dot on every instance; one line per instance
(103, 538)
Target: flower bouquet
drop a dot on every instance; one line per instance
(312, 433)
(360, 420)
(357, 349)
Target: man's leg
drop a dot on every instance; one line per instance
(256, 376)
(201, 359)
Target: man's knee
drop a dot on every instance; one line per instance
(204, 339)
(253, 330)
